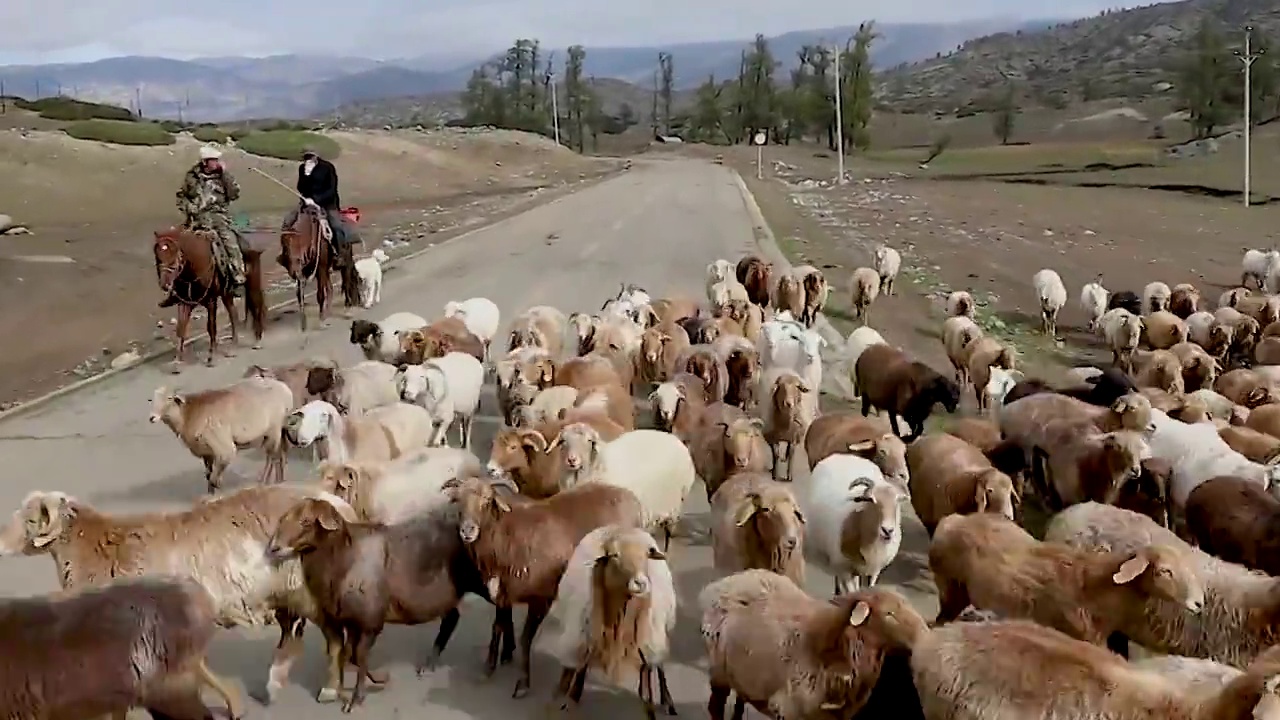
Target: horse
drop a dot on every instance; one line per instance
(304, 253)
(186, 268)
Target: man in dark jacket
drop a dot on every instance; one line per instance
(318, 186)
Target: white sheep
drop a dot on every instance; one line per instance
(999, 383)
(383, 433)
(782, 342)
(1220, 407)
(960, 302)
(392, 492)
(541, 326)
(547, 405)
(614, 567)
(369, 271)
(1155, 297)
(864, 287)
(727, 291)
(480, 315)
(365, 386)
(853, 519)
(449, 388)
(1052, 295)
(380, 341)
(654, 465)
(1093, 298)
(718, 271)
(1258, 266)
(1197, 453)
(1122, 331)
(846, 367)
(887, 262)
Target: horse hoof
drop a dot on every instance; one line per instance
(175, 368)
(210, 362)
(257, 345)
(327, 695)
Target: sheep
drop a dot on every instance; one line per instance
(1265, 418)
(864, 286)
(887, 262)
(788, 405)
(756, 523)
(747, 317)
(703, 362)
(1256, 446)
(1198, 453)
(1258, 266)
(1052, 296)
(297, 376)
(853, 520)
(659, 348)
(219, 542)
(959, 333)
(780, 341)
(1014, 670)
(1162, 330)
(1102, 389)
(356, 389)
(667, 311)
(742, 362)
(1197, 677)
(858, 341)
(788, 295)
(986, 353)
(1233, 296)
(1125, 300)
(889, 380)
(369, 272)
(1267, 351)
(611, 401)
(440, 338)
(979, 432)
(756, 275)
(1122, 331)
(1184, 408)
(992, 563)
(1158, 369)
(215, 424)
(1199, 368)
(1000, 383)
(522, 547)
(816, 292)
(1233, 519)
(527, 458)
(1204, 329)
(1244, 330)
(1246, 387)
(1155, 298)
(381, 434)
(615, 608)
(791, 655)
(480, 315)
(364, 576)
(701, 329)
(546, 405)
(960, 302)
(726, 291)
(655, 466)
(1185, 300)
(394, 491)
(719, 271)
(1265, 309)
(1093, 298)
(1232, 628)
(540, 326)
(1223, 410)
(379, 341)
(849, 433)
(948, 475)
(521, 375)
(678, 405)
(136, 642)
(449, 389)
(727, 443)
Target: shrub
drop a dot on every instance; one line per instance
(211, 135)
(287, 144)
(118, 132)
(172, 126)
(70, 109)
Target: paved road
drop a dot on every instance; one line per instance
(658, 226)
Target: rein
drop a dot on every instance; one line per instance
(323, 234)
(176, 268)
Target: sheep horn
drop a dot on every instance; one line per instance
(861, 482)
(505, 482)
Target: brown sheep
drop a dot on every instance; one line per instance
(523, 546)
(985, 353)
(1263, 308)
(748, 317)
(1184, 408)
(788, 407)
(815, 295)
(703, 362)
(1185, 300)
(1265, 419)
(298, 376)
(978, 432)
(678, 405)
(1199, 368)
(959, 334)
(524, 454)
(1267, 351)
(756, 275)
(756, 523)
(1094, 467)
(989, 562)
(521, 375)
(726, 326)
(586, 372)
(1158, 369)
(1237, 520)
(1244, 331)
(887, 379)
(610, 401)
(1162, 330)
(742, 362)
(1148, 494)
(948, 475)
(867, 437)
(134, 643)
(727, 443)
(788, 296)
(701, 329)
(438, 339)
(669, 311)
(1257, 446)
(364, 576)
(1245, 387)
(542, 327)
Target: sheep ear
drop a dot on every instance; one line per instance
(178, 400)
(860, 613)
(804, 387)
(1130, 569)
(1120, 405)
(656, 554)
(1272, 685)
(862, 446)
(757, 423)
(800, 517)
(501, 504)
(980, 500)
(750, 504)
(328, 518)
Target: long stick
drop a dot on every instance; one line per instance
(272, 179)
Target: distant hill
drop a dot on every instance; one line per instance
(1127, 54)
(229, 88)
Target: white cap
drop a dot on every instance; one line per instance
(209, 152)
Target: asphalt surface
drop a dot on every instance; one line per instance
(658, 226)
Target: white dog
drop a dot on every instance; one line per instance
(370, 271)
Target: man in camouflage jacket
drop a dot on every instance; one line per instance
(207, 192)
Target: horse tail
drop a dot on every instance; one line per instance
(255, 297)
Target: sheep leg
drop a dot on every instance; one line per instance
(532, 621)
(715, 705)
(288, 649)
(334, 647)
(467, 424)
(645, 690)
(363, 641)
(664, 693)
(739, 707)
(178, 699)
(504, 635)
(448, 624)
(221, 688)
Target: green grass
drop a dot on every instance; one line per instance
(1030, 158)
(287, 144)
(119, 132)
(211, 134)
(68, 109)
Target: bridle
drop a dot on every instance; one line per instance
(313, 247)
(174, 270)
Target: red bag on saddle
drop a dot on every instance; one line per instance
(350, 215)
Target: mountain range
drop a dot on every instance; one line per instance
(306, 86)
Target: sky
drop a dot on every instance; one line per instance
(47, 31)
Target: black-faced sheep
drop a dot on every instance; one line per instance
(887, 379)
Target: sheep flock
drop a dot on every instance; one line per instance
(1149, 593)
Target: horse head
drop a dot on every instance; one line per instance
(169, 258)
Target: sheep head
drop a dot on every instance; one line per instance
(702, 365)
(513, 451)
(341, 479)
(1000, 382)
(884, 500)
(787, 393)
(303, 528)
(653, 344)
(889, 453)
(1164, 573)
(413, 347)
(366, 334)
(311, 422)
(411, 382)
(665, 401)
(1132, 412)
(166, 406)
(584, 328)
(622, 568)
(580, 446)
(885, 613)
(1123, 452)
(720, 270)
(995, 493)
(772, 516)
(743, 438)
(1258, 397)
(43, 518)
(479, 503)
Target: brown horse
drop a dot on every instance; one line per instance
(185, 267)
(305, 253)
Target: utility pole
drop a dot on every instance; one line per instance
(839, 121)
(555, 107)
(1247, 56)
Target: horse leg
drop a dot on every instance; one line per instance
(302, 305)
(184, 322)
(229, 302)
(324, 286)
(211, 327)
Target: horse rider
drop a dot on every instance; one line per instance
(318, 187)
(204, 199)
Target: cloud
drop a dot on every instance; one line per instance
(72, 30)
